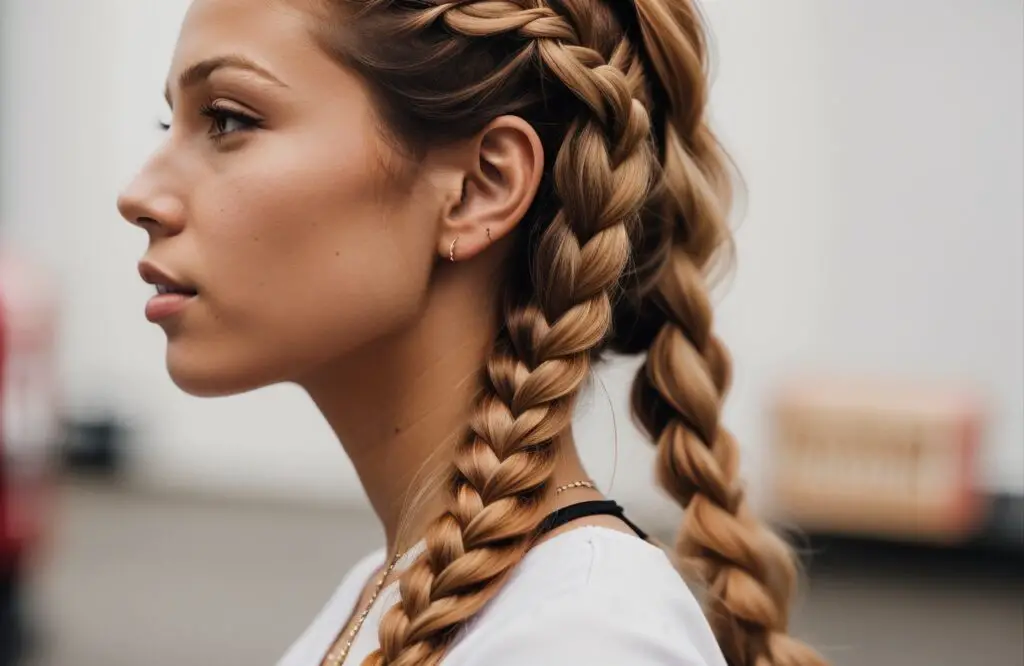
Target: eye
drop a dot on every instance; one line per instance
(225, 121)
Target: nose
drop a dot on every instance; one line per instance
(151, 203)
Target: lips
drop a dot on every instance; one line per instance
(173, 294)
(164, 281)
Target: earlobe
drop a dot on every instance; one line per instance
(502, 169)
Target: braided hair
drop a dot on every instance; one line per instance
(614, 251)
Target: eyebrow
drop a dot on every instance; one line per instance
(195, 74)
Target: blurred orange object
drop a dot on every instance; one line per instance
(877, 460)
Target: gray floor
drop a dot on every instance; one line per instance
(138, 580)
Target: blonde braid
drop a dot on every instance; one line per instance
(602, 174)
(678, 393)
(440, 71)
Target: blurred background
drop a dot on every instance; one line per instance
(876, 318)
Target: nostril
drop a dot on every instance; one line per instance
(155, 212)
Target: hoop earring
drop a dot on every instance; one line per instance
(451, 250)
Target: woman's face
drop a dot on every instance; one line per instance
(270, 201)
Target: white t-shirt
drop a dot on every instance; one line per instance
(590, 595)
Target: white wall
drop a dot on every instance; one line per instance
(872, 142)
(926, 261)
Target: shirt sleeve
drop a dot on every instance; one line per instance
(596, 631)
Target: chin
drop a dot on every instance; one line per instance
(206, 386)
(210, 379)
(210, 385)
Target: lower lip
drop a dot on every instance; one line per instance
(162, 306)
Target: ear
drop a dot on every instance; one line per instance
(501, 169)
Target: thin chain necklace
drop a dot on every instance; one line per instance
(343, 644)
(575, 484)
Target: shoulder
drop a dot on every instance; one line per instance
(594, 596)
(362, 569)
(309, 648)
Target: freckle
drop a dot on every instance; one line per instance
(398, 429)
(337, 253)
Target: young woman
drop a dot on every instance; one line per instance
(436, 217)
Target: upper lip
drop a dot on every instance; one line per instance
(155, 275)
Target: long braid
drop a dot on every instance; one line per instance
(601, 176)
(441, 70)
(679, 390)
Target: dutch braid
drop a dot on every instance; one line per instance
(442, 70)
(601, 175)
(679, 390)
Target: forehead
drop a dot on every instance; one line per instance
(272, 33)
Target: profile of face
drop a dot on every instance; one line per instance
(274, 205)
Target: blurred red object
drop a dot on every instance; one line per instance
(28, 414)
(877, 459)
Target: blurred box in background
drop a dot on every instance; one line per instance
(874, 459)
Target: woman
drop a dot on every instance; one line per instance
(435, 217)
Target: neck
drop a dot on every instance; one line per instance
(401, 405)
(398, 409)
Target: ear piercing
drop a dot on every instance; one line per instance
(451, 248)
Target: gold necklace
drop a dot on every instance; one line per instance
(575, 484)
(343, 644)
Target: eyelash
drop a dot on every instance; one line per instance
(219, 117)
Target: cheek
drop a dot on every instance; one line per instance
(302, 263)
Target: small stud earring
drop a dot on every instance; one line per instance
(451, 250)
